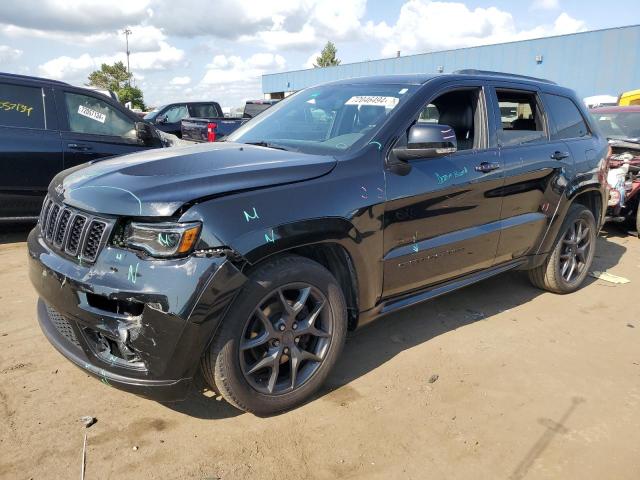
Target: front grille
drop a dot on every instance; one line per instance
(72, 232)
(63, 326)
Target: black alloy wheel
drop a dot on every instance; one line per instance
(576, 247)
(286, 339)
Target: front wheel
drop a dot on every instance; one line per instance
(568, 264)
(280, 339)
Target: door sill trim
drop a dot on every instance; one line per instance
(400, 302)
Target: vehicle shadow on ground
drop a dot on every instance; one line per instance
(383, 339)
(14, 232)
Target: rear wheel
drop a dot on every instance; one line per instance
(568, 264)
(280, 339)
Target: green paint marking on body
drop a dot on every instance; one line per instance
(248, 217)
(132, 276)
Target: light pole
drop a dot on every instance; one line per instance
(127, 32)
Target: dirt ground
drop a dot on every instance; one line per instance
(529, 385)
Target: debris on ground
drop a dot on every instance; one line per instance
(135, 448)
(84, 457)
(631, 325)
(433, 378)
(88, 420)
(609, 277)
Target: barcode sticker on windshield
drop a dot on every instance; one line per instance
(92, 114)
(387, 102)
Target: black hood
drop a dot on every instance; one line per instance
(158, 182)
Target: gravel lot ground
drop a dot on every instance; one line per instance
(529, 385)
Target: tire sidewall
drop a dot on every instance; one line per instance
(261, 283)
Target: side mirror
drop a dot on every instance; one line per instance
(427, 140)
(161, 119)
(145, 134)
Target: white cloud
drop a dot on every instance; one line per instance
(8, 54)
(180, 81)
(89, 16)
(424, 26)
(311, 61)
(76, 69)
(545, 4)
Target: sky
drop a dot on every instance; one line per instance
(219, 49)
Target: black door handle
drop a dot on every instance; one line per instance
(557, 155)
(79, 146)
(486, 167)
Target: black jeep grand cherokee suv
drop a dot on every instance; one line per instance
(251, 259)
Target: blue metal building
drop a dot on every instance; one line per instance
(592, 63)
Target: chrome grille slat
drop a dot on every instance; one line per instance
(73, 233)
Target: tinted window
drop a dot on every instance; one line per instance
(90, 115)
(520, 118)
(21, 106)
(253, 109)
(204, 110)
(567, 117)
(619, 125)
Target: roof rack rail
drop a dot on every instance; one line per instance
(471, 71)
(30, 77)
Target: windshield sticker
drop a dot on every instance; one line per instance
(374, 101)
(18, 107)
(92, 114)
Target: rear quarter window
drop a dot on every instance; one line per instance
(566, 116)
(21, 106)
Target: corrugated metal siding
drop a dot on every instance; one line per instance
(591, 63)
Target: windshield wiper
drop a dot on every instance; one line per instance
(276, 146)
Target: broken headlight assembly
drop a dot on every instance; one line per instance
(162, 240)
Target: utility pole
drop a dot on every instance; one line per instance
(127, 32)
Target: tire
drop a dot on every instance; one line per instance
(552, 275)
(312, 336)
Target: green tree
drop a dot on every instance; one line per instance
(327, 57)
(116, 78)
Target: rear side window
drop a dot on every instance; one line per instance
(520, 117)
(88, 114)
(567, 117)
(21, 106)
(204, 110)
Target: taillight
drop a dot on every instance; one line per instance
(211, 131)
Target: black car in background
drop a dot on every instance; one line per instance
(168, 118)
(47, 126)
(250, 259)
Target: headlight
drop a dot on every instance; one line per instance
(162, 239)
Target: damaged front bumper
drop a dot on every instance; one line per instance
(136, 323)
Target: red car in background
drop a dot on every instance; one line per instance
(621, 125)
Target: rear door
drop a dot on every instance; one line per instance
(535, 165)
(442, 218)
(30, 147)
(94, 127)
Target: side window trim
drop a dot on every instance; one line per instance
(520, 88)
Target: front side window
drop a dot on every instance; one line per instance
(21, 106)
(328, 119)
(91, 115)
(462, 111)
(567, 117)
(176, 113)
(520, 117)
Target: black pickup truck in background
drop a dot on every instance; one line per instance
(47, 126)
(214, 129)
(167, 118)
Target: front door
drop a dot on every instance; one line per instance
(94, 129)
(442, 218)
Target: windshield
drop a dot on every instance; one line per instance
(328, 119)
(622, 125)
(151, 116)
